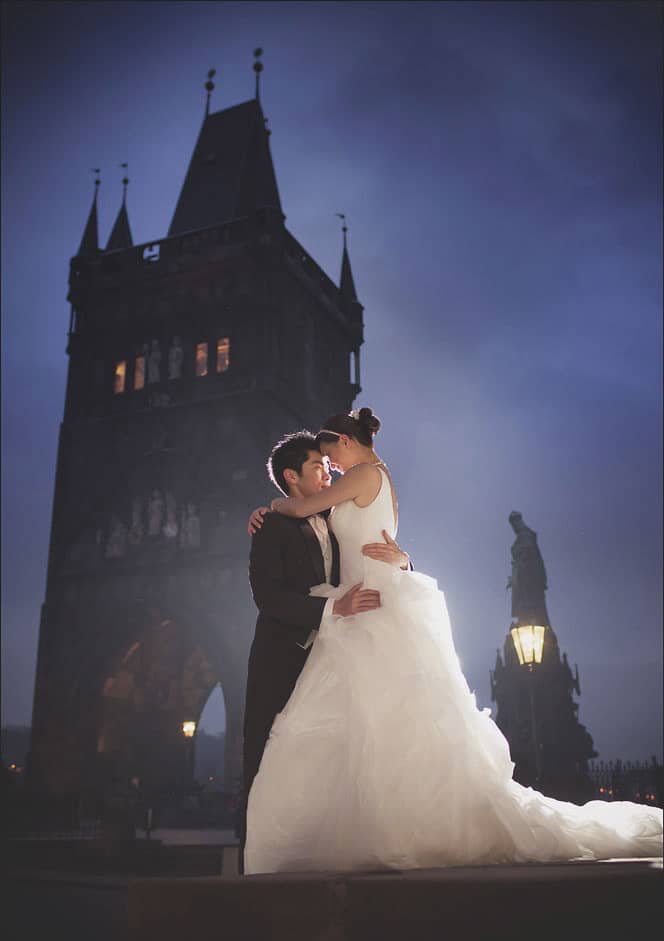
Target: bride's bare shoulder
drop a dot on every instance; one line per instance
(364, 473)
(369, 481)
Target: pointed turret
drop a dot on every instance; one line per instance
(351, 306)
(90, 241)
(121, 233)
(231, 173)
(346, 283)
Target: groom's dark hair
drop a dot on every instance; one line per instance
(291, 452)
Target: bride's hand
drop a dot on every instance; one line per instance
(387, 551)
(256, 520)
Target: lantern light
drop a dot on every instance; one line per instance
(528, 641)
(189, 729)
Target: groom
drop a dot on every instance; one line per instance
(289, 556)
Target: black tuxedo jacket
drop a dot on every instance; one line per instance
(285, 562)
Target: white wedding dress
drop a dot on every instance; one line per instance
(381, 758)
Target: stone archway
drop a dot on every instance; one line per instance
(161, 681)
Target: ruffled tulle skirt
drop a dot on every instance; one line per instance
(382, 760)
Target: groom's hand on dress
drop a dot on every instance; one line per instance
(356, 601)
(387, 551)
(256, 519)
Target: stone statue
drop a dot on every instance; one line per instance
(528, 579)
(115, 544)
(170, 529)
(175, 354)
(155, 513)
(154, 360)
(136, 530)
(190, 535)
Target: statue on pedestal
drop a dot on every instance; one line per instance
(528, 579)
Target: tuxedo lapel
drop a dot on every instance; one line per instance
(335, 575)
(313, 545)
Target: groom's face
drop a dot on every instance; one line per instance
(313, 477)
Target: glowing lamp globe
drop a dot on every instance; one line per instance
(528, 641)
(188, 729)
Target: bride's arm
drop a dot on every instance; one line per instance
(363, 480)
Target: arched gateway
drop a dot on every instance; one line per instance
(188, 358)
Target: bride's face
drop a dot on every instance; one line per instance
(339, 453)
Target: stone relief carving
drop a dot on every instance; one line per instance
(156, 515)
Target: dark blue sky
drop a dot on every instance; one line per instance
(500, 166)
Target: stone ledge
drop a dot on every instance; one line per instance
(617, 899)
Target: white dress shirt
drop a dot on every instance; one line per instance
(319, 526)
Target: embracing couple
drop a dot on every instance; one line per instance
(363, 746)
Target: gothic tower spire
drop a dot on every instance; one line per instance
(90, 241)
(346, 283)
(121, 233)
(231, 174)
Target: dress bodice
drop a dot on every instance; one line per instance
(354, 526)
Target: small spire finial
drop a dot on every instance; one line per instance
(96, 172)
(125, 180)
(258, 68)
(344, 227)
(209, 88)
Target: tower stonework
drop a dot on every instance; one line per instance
(536, 710)
(188, 358)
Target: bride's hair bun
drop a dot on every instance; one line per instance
(360, 424)
(369, 421)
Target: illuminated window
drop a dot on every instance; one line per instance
(139, 372)
(201, 359)
(120, 373)
(223, 354)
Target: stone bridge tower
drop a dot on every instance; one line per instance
(188, 358)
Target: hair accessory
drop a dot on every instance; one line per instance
(328, 431)
(355, 414)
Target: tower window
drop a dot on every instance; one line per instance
(139, 373)
(223, 354)
(119, 378)
(201, 359)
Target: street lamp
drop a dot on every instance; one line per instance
(189, 730)
(528, 640)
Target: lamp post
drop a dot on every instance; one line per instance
(528, 642)
(188, 730)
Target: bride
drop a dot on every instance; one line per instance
(381, 758)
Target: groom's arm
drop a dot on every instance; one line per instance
(267, 576)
